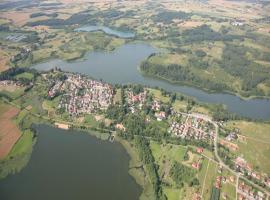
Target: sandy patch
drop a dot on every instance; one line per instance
(62, 126)
(108, 122)
(99, 117)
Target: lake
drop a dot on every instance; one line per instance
(121, 66)
(106, 30)
(72, 165)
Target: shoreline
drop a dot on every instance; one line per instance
(83, 55)
(209, 91)
(136, 169)
(133, 170)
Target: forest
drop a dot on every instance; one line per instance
(147, 158)
(178, 73)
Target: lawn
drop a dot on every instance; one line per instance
(229, 189)
(90, 120)
(168, 151)
(158, 96)
(180, 105)
(200, 109)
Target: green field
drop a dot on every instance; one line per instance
(25, 75)
(23, 145)
(12, 94)
(210, 177)
(256, 147)
(158, 96)
(173, 194)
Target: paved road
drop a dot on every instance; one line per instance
(204, 117)
(221, 163)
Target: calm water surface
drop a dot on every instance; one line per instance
(121, 66)
(106, 30)
(70, 165)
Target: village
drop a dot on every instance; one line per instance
(81, 95)
(188, 126)
(10, 83)
(247, 192)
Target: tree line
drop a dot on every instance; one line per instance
(148, 160)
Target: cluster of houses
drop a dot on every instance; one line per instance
(135, 101)
(229, 145)
(196, 196)
(16, 38)
(237, 23)
(160, 115)
(231, 136)
(191, 127)
(245, 168)
(81, 94)
(55, 89)
(217, 183)
(197, 164)
(247, 192)
(10, 83)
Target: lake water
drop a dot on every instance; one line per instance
(72, 165)
(121, 66)
(106, 30)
